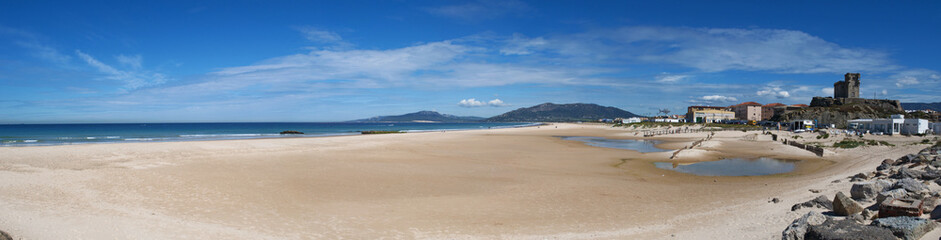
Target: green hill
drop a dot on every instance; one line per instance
(550, 112)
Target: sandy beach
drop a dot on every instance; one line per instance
(521, 183)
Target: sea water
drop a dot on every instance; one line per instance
(643, 146)
(61, 134)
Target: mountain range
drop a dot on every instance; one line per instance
(546, 112)
(422, 116)
(922, 106)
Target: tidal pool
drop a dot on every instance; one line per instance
(731, 167)
(643, 146)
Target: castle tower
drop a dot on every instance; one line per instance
(848, 88)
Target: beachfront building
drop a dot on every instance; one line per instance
(803, 124)
(691, 113)
(768, 110)
(669, 120)
(628, 120)
(748, 111)
(897, 124)
(705, 114)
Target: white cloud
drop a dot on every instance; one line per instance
(666, 78)
(719, 98)
(497, 103)
(46, 52)
(134, 62)
(722, 49)
(914, 77)
(774, 92)
(521, 45)
(320, 36)
(132, 79)
(472, 102)
(827, 91)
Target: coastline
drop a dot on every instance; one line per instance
(516, 183)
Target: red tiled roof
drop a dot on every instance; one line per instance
(775, 105)
(800, 105)
(750, 104)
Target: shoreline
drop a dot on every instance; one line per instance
(234, 136)
(516, 183)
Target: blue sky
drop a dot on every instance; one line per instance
(187, 61)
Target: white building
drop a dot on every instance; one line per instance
(891, 126)
(628, 120)
(669, 120)
(936, 127)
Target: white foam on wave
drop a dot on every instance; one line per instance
(138, 139)
(30, 141)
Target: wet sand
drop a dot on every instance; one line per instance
(522, 183)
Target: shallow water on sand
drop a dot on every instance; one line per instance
(643, 146)
(731, 167)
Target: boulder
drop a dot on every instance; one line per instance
(845, 206)
(905, 172)
(833, 229)
(930, 174)
(910, 185)
(859, 177)
(820, 202)
(894, 193)
(907, 228)
(291, 132)
(929, 203)
(888, 161)
(905, 159)
(883, 167)
(936, 213)
(865, 190)
(798, 228)
(5, 236)
(894, 207)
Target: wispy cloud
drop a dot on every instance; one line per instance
(319, 35)
(718, 98)
(481, 9)
(916, 77)
(132, 79)
(671, 78)
(774, 91)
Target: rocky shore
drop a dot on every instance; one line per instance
(899, 200)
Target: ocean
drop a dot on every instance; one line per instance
(12, 135)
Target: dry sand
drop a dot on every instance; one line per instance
(520, 183)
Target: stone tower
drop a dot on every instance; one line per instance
(848, 88)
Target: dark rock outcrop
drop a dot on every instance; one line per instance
(291, 132)
(799, 227)
(907, 228)
(834, 229)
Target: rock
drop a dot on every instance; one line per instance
(5, 236)
(905, 227)
(883, 167)
(905, 159)
(833, 229)
(910, 185)
(836, 181)
(929, 203)
(894, 193)
(930, 174)
(888, 161)
(291, 132)
(859, 177)
(905, 172)
(799, 227)
(775, 200)
(893, 207)
(936, 213)
(814, 190)
(858, 217)
(865, 190)
(845, 206)
(820, 202)
(869, 214)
